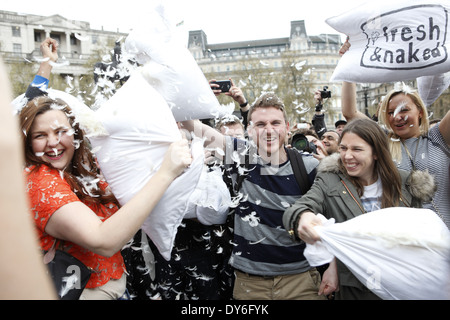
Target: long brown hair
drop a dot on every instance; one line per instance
(391, 181)
(83, 162)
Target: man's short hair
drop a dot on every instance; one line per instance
(267, 100)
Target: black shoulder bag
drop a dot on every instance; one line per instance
(69, 274)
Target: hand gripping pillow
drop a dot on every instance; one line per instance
(140, 129)
(394, 41)
(398, 253)
(171, 70)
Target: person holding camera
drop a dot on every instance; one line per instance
(307, 140)
(319, 115)
(228, 88)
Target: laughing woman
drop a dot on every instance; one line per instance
(71, 203)
(414, 145)
(360, 178)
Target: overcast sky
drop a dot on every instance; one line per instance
(222, 20)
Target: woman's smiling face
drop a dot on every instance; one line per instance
(358, 158)
(404, 116)
(52, 139)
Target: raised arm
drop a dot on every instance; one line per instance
(348, 94)
(22, 273)
(49, 50)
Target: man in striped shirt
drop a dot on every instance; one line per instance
(267, 263)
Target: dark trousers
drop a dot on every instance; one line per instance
(198, 268)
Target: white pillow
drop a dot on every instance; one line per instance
(394, 41)
(390, 251)
(141, 128)
(211, 200)
(171, 69)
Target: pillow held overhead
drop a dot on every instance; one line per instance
(393, 41)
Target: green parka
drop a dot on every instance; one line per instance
(334, 196)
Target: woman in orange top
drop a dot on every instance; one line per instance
(70, 201)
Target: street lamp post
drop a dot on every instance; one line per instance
(365, 87)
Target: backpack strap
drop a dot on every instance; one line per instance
(298, 167)
(299, 170)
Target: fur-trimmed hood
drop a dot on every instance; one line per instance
(329, 164)
(420, 183)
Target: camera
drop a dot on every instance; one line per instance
(224, 85)
(325, 93)
(300, 142)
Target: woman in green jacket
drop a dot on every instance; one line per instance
(360, 178)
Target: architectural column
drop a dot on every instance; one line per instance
(68, 44)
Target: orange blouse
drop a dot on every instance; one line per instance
(48, 191)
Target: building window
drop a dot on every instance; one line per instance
(73, 40)
(15, 31)
(37, 37)
(57, 37)
(17, 49)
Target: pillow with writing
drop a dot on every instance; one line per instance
(394, 41)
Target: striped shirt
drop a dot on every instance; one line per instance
(432, 155)
(261, 244)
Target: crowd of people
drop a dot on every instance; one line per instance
(359, 166)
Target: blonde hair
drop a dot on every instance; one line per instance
(383, 117)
